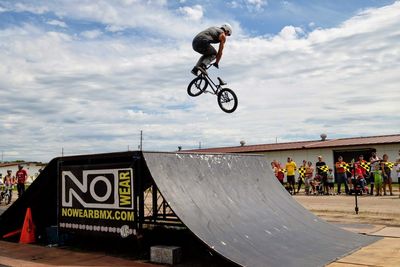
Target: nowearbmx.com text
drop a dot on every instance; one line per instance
(118, 215)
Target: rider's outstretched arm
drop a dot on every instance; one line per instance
(222, 40)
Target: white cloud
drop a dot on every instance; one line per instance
(36, 9)
(194, 13)
(234, 4)
(290, 32)
(251, 5)
(91, 34)
(58, 23)
(93, 94)
(117, 15)
(258, 4)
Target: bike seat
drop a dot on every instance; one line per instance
(221, 82)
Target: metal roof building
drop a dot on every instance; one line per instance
(329, 149)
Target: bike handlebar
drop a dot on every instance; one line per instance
(210, 65)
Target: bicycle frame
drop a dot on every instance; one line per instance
(214, 87)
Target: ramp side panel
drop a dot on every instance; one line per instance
(40, 196)
(235, 205)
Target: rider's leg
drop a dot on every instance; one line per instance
(202, 64)
(208, 54)
(205, 60)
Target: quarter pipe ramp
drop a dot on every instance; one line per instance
(234, 204)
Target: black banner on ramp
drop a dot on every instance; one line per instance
(97, 200)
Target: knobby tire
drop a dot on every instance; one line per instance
(227, 100)
(197, 86)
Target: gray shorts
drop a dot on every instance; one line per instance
(203, 47)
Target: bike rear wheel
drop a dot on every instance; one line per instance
(197, 86)
(227, 100)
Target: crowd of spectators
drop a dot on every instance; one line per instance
(371, 177)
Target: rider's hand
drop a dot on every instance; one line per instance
(216, 65)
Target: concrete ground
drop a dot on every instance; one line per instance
(377, 216)
(371, 209)
(14, 254)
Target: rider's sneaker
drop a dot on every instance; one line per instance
(194, 71)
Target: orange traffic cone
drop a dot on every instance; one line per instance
(28, 229)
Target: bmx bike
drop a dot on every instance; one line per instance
(5, 194)
(226, 98)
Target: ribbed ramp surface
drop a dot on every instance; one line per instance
(236, 206)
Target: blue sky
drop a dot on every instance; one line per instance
(88, 76)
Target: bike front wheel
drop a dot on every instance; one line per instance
(227, 100)
(7, 199)
(197, 86)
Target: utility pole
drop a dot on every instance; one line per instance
(199, 145)
(141, 140)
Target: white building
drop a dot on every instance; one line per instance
(32, 168)
(329, 149)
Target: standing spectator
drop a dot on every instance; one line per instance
(21, 177)
(309, 178)
(374, 161)
(387, 178)
(276, 167)
(360, 170)
(9, 181)
(341, 175)
(331, 181)
(290, 175)
(377, 171)
(9, 178)
(322, 173)
(302, 175)
(360, 173)
(398, 172)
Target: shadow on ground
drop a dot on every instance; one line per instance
(194, 252)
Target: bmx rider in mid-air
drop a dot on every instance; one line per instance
(202, 44)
